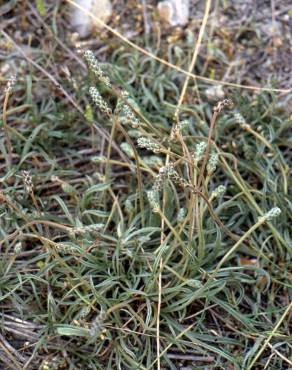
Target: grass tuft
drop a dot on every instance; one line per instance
(133, 223)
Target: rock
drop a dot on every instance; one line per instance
(215, 93)
(82, 23)
(165, 11)
(174, 12)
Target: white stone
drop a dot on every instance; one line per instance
(82, 23)
(174, 12)
(215, 92)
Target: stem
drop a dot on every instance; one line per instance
(112, 134)
(5, 127)
(138, 169)
(212, 126)
(158, 313)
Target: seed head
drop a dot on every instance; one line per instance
(148, 144)
(218, 191)
(127, 116)
(84, 312)
(159, 180)
(99, 101)
(125, 112)
(212, 163)
(97, 324)
(222, 104)
(93, 229)
(181, 214)
(183, 124)
(10, 83)
(18, 248)
(124, 96)
(172, 174)
(94, 66)
(27, 180)
(272, 213)
(239, 118)
(66, 248)
(199, 151)
(179, 128)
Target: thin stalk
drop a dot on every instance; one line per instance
(5, 128)
(205, 159)
(109, 148)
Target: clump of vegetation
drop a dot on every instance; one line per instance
(169, 249)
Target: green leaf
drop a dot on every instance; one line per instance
(70, 330)
(93, 189)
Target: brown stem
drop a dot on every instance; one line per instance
(5, 127)
(212, 126)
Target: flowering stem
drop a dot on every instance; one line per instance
(212, 126)
(138, 170)
(113, 130)
(5, 127)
